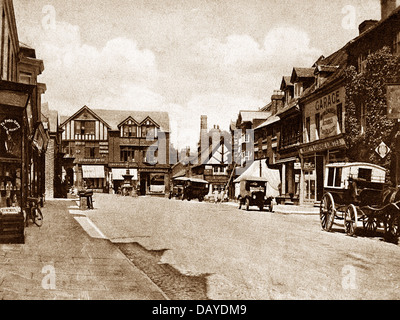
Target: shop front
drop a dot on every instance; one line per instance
(314, 158)
(323, 124)
(94, 177)
(15, 148)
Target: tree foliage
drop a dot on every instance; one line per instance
(368, 89)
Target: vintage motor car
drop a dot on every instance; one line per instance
(253, 193)
(177, 188)
(195, 189)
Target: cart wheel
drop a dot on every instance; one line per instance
(327, 212)
(370, 224)
(350, 220)
(392, 231)
(247, 204)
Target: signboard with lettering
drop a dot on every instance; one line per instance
(393, 100)
(328, 109)
(10, 137)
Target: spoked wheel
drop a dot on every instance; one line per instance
(37, 216)
(370, 224)
(327, 212)
(350, 220)
(392, 231)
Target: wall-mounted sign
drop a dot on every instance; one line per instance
(393, 100)
(383, 150)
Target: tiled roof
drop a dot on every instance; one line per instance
(249, 116)
(115, 117)
(303, 73)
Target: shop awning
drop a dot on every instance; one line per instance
(93, 172)
(118, 174)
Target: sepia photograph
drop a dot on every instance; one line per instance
(199, 155)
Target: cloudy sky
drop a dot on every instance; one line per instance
(187, 57)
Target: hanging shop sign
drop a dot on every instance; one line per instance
(10, 137)
(323, 146)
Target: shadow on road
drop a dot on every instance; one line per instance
(174, 284)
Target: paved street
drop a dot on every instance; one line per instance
(60, 261)
(251, 255)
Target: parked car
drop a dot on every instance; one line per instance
(177, 189)
(253, 193)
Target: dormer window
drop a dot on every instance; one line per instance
(129, 131)
(149, 129)
(298, 89)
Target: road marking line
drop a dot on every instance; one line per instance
(90, 228)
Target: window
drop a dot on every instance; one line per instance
(317, 126)
(92, 152)
(334, 177)
(85, 127)
(396, 44)
(149, 131)
(298, 89)
(127, 153)
(340, 118)
(362, 62)
(365, 174)
(363, 118)
(129, 131)
(308, 129)
(3, 27)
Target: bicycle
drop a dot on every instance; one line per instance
(33, 212)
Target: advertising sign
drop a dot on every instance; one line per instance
(10, 137)
(393, 100)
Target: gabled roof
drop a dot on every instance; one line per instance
(301, 73)
(338, 61)
(129, 119)
(286, 82)
(113, 118)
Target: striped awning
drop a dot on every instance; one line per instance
(93, 172)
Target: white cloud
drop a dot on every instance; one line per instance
(119, 75)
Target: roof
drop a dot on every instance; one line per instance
(336, 62)
(286, 82)
(376, 26)
(115, 117)
(249, 116)
(301, 73)
(269, 121)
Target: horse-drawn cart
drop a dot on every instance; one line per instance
(357, 194)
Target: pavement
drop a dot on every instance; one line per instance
(68, 258)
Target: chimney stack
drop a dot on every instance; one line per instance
(277, 101)
(387, 7)
(203, 123)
